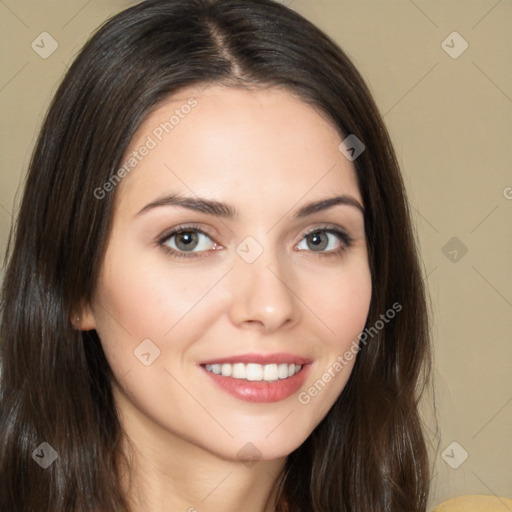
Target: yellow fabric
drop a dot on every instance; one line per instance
(476, 503)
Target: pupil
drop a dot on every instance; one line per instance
(317, 241)
(186, 239)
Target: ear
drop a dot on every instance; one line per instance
(83, 318)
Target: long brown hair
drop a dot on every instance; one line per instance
(369, 452)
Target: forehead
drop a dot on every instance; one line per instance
(250, 144)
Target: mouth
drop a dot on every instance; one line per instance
(258, 378)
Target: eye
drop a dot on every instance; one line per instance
(190, 241)
(184, 241)
(323, 241)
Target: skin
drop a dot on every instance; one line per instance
(265, 153)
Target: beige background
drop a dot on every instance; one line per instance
(450, 120)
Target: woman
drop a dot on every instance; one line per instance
(170, 341)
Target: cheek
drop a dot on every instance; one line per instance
(342, 306)
(157, 311)
(341, 301)
(144, 298)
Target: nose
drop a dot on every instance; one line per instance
(263, 296)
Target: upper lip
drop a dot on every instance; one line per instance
(263, 359)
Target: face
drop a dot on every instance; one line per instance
(229, 287)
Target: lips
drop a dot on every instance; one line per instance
(258, 377)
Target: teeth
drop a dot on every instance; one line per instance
(227, 369)
(270, 372)
(282, 371)
(254, 371)
(238, 371)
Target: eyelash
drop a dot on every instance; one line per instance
(342, 235)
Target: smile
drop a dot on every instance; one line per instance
(258, 377)
(254, 371)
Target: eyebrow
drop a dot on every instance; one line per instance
(223, 210)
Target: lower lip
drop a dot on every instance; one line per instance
(260, 391)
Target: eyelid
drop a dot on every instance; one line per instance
(326, 227)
